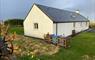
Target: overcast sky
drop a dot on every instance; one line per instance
(10, 9)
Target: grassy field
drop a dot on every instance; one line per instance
(82, 47)
(17, 29)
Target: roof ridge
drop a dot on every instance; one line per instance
(53, 7)
(60, 15)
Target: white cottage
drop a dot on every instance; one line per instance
(43, 19)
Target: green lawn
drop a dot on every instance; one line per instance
(17, 29)
(81, 45)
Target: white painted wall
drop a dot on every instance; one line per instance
(54, 28)
(66, 28)
(78, 27)
(44, 23)
(81, 26)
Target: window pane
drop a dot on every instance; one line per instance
(36, 25)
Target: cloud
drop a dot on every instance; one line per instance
(19, 8)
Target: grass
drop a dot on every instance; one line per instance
(81, 45)
(17, 29)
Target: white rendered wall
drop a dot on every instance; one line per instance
(63, 28)
(45, 25)
(66, 28)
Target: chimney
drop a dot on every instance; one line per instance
(77, 11)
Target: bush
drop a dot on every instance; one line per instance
(14, 22)
(92, 25)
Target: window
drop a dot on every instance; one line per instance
(74, 24)
(86, 23)
(35, 25)
(81, 24)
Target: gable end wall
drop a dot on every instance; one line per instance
(44, 23)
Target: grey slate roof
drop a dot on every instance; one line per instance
(58, 15)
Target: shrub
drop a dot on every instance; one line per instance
(92, 25)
